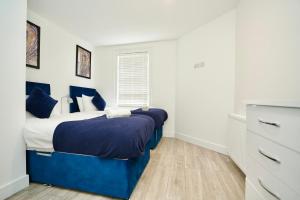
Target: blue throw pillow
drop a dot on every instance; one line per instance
(40, 104)
(98, 101)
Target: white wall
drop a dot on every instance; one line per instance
(205, 96)
(57, 61)
(12, 116)
(268, 46)
(162, 75)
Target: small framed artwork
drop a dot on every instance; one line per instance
(33, 36)
(83, 62)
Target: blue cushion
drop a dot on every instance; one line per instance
(98, 101)
(40, 104)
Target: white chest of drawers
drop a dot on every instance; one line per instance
(273, 152)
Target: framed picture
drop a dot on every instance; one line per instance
(83, 62)
(33, 35)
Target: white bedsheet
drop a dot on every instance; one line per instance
(38, 133)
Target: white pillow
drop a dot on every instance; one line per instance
(56, 110)
(88, 104)
(29, 115)
(80, 104)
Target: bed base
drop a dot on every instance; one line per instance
(109, 177)
(156, 137)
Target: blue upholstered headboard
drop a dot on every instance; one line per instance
(76, 91)
(31, 85)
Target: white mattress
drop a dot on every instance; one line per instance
(38, 133)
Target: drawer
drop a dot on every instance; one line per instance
(281, 125)
(278, 160)
(267, 185)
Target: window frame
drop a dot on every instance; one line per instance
(122, 53)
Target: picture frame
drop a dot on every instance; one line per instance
(83, 62)
(33, 36)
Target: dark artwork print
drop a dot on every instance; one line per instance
(83, 62)
(32, 45)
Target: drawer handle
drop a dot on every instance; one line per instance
(276, 196)
(268, 156)
(269, 123)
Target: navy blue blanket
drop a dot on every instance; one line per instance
(121, 138)
(158, 115)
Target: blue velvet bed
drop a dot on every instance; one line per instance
(76, 91)
(109, 177)
(159, 116)
(158, 133)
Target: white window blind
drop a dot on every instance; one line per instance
(133, 79)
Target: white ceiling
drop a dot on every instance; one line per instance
(111, 22)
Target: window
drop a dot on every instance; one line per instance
(133, 79)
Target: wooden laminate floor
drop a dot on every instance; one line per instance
(177, 171)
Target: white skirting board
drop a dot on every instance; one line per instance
(13, 187)
(203, 143)
(168, 134)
